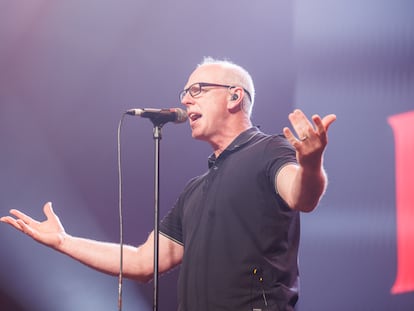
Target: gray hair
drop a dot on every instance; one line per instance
(241, 78)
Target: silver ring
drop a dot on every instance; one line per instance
(304, 138)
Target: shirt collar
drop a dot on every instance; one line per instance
(237, 143)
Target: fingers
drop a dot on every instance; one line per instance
(290, 137)
(11, 221)
(47, 209)
(21, 222)
(318, 123)
(27, 229)
(305, 129)
(48, 232)
(300, 123)
(320, 128)
(22, 216)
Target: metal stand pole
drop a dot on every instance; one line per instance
(157, 139)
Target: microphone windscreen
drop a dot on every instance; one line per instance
(181, 115)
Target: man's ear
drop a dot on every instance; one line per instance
(236, 97)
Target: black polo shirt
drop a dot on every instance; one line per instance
(240, 239)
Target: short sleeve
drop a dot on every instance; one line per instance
(279, 153)
(171, 224)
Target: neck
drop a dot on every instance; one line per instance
(223, 140)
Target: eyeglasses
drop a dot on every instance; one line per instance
(196, 89)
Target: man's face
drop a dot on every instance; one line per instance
(207, 111)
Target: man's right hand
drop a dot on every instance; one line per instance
(49, 232)
(138, 262)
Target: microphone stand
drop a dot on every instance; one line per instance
(157, 138)
(158, 120)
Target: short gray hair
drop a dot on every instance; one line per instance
(241, 78)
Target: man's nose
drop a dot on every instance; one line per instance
(187, 99)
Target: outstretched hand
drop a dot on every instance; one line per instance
(311, 139)
(49, 232)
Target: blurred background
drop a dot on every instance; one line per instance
(70, 69)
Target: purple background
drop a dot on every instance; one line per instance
(69, 69)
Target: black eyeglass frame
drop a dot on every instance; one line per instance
(203, 84)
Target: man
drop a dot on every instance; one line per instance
(235, 229)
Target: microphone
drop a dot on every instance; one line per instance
(161, 116)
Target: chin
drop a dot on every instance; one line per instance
(195, 133)
(198, 136)
(195, 136)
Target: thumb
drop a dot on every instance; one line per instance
(328, 120)
(48, 210)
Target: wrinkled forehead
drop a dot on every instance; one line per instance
(212, 73)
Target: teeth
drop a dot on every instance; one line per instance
(194, 116)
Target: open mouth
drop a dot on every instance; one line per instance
(194, 116)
